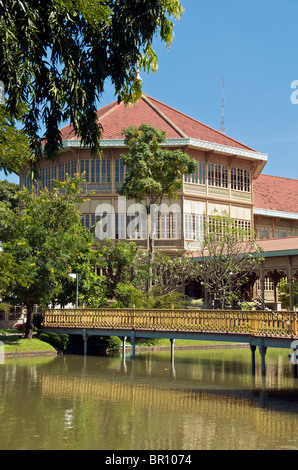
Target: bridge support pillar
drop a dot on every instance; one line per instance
(172, 349)
(253, 359)
(263, 351)
(133, 343)
(85, 339)
(124, 344)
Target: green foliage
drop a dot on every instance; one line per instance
(121, 263)
(12, 274)
(128, 296)
(227, 255)
(57, 55)
(248, 305)
(14, 143)
(59, 341)
(152, 171)
(170, 300)
(42, 244)
(113, 343)
(170, 273)
(9, 195)
(284, 293)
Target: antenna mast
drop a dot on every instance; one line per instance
(222, 127)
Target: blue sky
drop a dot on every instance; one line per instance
(253, 46)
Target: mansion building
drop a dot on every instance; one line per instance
(228, 179)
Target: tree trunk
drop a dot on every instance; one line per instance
(150, 262)
(29, 323)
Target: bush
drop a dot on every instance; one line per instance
(114, 343)
(20, 327)
(58, 341)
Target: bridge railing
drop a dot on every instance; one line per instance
(259, 323)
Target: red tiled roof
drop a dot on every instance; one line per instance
(115, 117)
(270, 245)
(278, 244)
(276, 193)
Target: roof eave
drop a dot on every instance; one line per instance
(275, 213)
(259, 159)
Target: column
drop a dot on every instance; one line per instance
(263, 351)
(290, 281)
(172, 349)
(291, 293)
(124, 345)
(262, 282)
(85, 339)
(253, 359)
(133, 343)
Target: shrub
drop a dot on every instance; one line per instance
(59, 341)
(20, 327)
(114, 343)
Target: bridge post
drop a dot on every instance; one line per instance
(85, 339)
(253, 359)
(133, 343)
(124, 344)
(172, 349)
(263, 351)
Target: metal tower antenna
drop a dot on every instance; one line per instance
(222, 127)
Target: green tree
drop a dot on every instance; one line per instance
(284, 293)
(172, 273)
(152, 172)
(9, 195)
(11, 275)
(121, 263)
(92, 291)
(14, 143)
(56, 56)
(228, 254)
(44, 242)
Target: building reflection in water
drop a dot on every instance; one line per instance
(136, 406)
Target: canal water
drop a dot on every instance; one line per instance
(205, 400)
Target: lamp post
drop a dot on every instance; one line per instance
(76, 276)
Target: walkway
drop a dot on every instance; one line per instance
(260, 329)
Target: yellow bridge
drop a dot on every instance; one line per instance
(256, 323)
(260, 329)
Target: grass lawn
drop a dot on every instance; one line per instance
(17, 344)
(183, 342)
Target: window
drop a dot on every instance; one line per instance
(96, 171)
(85, 168)
(136, 226)
(240, 179)
(27, 181)
(169, 225)
(194, 227)
(47, 176)
(217, 175)
(268, 284)
(119, 171)
(198, 177)
(244, 225)
(67, 168)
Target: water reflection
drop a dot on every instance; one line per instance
(204, 400)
